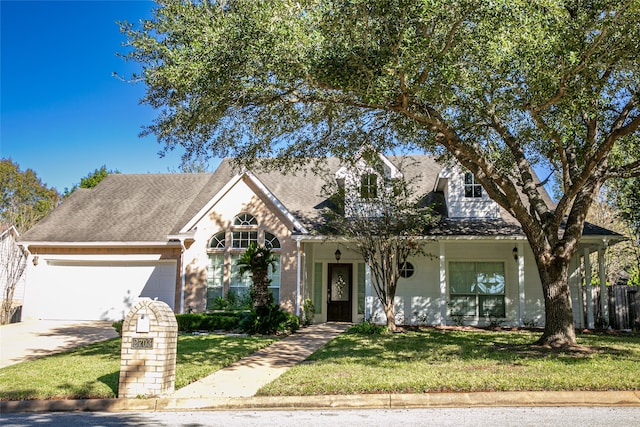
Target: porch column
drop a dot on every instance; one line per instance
(604, 295)
(298, 286)
(443, 285)
(587, 283)
(368, 296)
(521, 293)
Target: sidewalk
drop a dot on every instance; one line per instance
(245, 377)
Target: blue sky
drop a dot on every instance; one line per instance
(62, 113)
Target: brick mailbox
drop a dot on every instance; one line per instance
(148, 354)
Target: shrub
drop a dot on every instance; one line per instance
(191, 322)
(269, 320)
(308, 311)
(367, 328)
(118, 326)
(233, 301)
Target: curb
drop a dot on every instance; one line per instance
(366, 401)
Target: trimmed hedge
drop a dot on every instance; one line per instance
(270, 320)
(226, 321)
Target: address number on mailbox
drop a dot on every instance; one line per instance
(142, 343)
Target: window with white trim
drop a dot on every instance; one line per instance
(476, 289)
(217, 241)
(472, 188)
(369, 186)
(245, 219)
(406, 270)
(274, 285)
(271, 241)
(244, 232)
(242, 239)
(215, 279)
(239, 284)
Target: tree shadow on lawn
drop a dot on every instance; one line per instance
(223, 350)
(431, 345)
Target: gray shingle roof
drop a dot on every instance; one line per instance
(123, 208)
(149, 208)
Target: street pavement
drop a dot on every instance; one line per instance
(440, 417)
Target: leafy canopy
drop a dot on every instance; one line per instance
(24, 198)
(502, 86)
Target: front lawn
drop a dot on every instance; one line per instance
(432, 360)
(93, 371)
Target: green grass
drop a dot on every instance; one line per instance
(432, 360)
(93, 371)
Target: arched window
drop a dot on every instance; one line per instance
(271, 241)
(245, 219)
(217, 241)
(247, 233)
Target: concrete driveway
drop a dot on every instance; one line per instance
(36, 338)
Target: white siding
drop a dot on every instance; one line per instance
(460, 206)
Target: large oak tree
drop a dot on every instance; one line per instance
(500, 85)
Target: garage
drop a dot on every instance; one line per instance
(90, 290)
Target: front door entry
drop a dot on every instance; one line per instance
(339, 288)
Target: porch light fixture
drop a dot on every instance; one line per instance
(338, 255)
(515, 253)
(35, 260)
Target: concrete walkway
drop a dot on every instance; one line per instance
(245, 377)
(36, 338)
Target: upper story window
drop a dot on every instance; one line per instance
(369, 186)
(245, 219)
(271, 241)
(242, 239)
(472, 188)
(217, 241)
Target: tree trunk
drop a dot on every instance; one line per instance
(260, 289)
(559, 330)
(391, 317)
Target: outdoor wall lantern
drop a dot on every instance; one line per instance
(338, 255)
(36, 260)
(515, 253)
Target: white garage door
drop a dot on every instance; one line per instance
(95, 291)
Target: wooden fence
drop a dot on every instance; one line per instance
(623, 305)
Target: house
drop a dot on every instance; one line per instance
(176, 237)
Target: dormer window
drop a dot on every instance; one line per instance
(472, 188)
(369, 186)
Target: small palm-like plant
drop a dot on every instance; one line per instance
(257, 260)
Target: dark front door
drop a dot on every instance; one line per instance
(339, 288)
